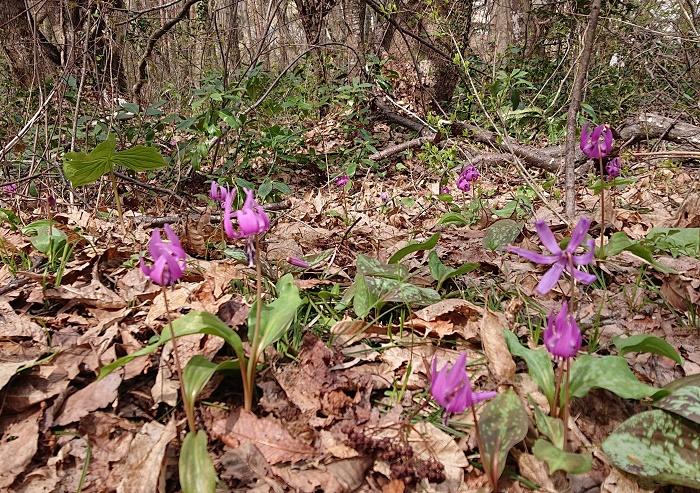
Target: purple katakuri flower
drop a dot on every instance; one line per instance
(298, 262)
(613, 167)
(468, 176)
(10, 189)
(218, 192)
(341, 181)
(445, 190)
(384, 197)
(560, 260)
(168, 258)
(598, 143)
(562, 336)
(252, 218)
(451, 388)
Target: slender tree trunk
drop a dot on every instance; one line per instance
(574, 106)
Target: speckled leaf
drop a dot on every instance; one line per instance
(502, 424)
(558, 460)
(552, 428)
(501, 233)
(658, 446)
(400, 292)
(684, 401)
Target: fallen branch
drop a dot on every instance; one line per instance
(652, 126)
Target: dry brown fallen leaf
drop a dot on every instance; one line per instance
(270, 436)
(535, 470)
(96, 395)
(19, 444)
(341, 476)
(429, 442)
(447, 317)
(7, 370)
(145, 459)
(500, 361)
(13, 326)
(619, 482)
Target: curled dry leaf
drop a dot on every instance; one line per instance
(500, 361)
(269, 435)
(145, 459)
(96, 395)
(18, 446)
(429, 442)
(341, 476)
(447, 317)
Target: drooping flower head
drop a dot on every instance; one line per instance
(562, 336)
(613, 167)
(341, 181)
(598, 143)
(451, 388)
(218, 192)
(468, 176)
(252, 218)
(384, 197)
(10, 189)
(561, 260)
(298, 262)
(168, 258)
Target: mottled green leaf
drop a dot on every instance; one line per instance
(539, 364)
(552, 428)
(502, 424)
(643, 343)
(372, 267)
(197, 473)
(442, 272)
(606, 372)
(429, 244)
(501, 233)
(401, 292)
(558, 460)
(197, 374)
(684, 401)
(657, 446)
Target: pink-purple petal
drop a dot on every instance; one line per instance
(547, 237)
(581, 276)
(535, 257)
(550, 278)
(578, 234)
(586, 258)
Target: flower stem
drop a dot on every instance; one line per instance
(554, 411)
(565, 406)
(178, 366)
(253, 360)
(602, 204)
(120, 212)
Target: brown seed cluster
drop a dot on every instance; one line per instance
(404, 465)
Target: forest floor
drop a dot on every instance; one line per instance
(335, 384)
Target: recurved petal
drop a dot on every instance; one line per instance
(535, 257)
(581, 276)
(547, 237)
(550, 278)
(478, 397)
(175, 246)
(159, 273)
(587, 257)
(578, 234)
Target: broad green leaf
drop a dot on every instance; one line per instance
(264, 189)
(362, 301)
(197, 473)
(502, 424)
(442, 273)
(8, 215)
(501, 233)
(507, 210)
(539, 364)
(400, 292)
(598, 185)
(552, 428)
(609, 373)
(684, 401)
(674, 241)
(276, 317)
(139, 158)
(620, 242)
(642, 343)
(192, 323)
(428, 244)
(197, 374)
(45, 236)
(453, 218)
(657, 446)
(558, 460)
(372, 267)
(83, 169)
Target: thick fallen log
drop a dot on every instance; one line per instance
(649, 126)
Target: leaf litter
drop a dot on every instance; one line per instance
(328, 403)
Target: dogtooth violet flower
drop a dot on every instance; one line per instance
(342, 180)
(562, 337)
(451, 388)
(252, 221)
(597, 143)
(560, 260)
(613, 167)
(298, 262)
(468, 176)
(218, 192)
(168, 258)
